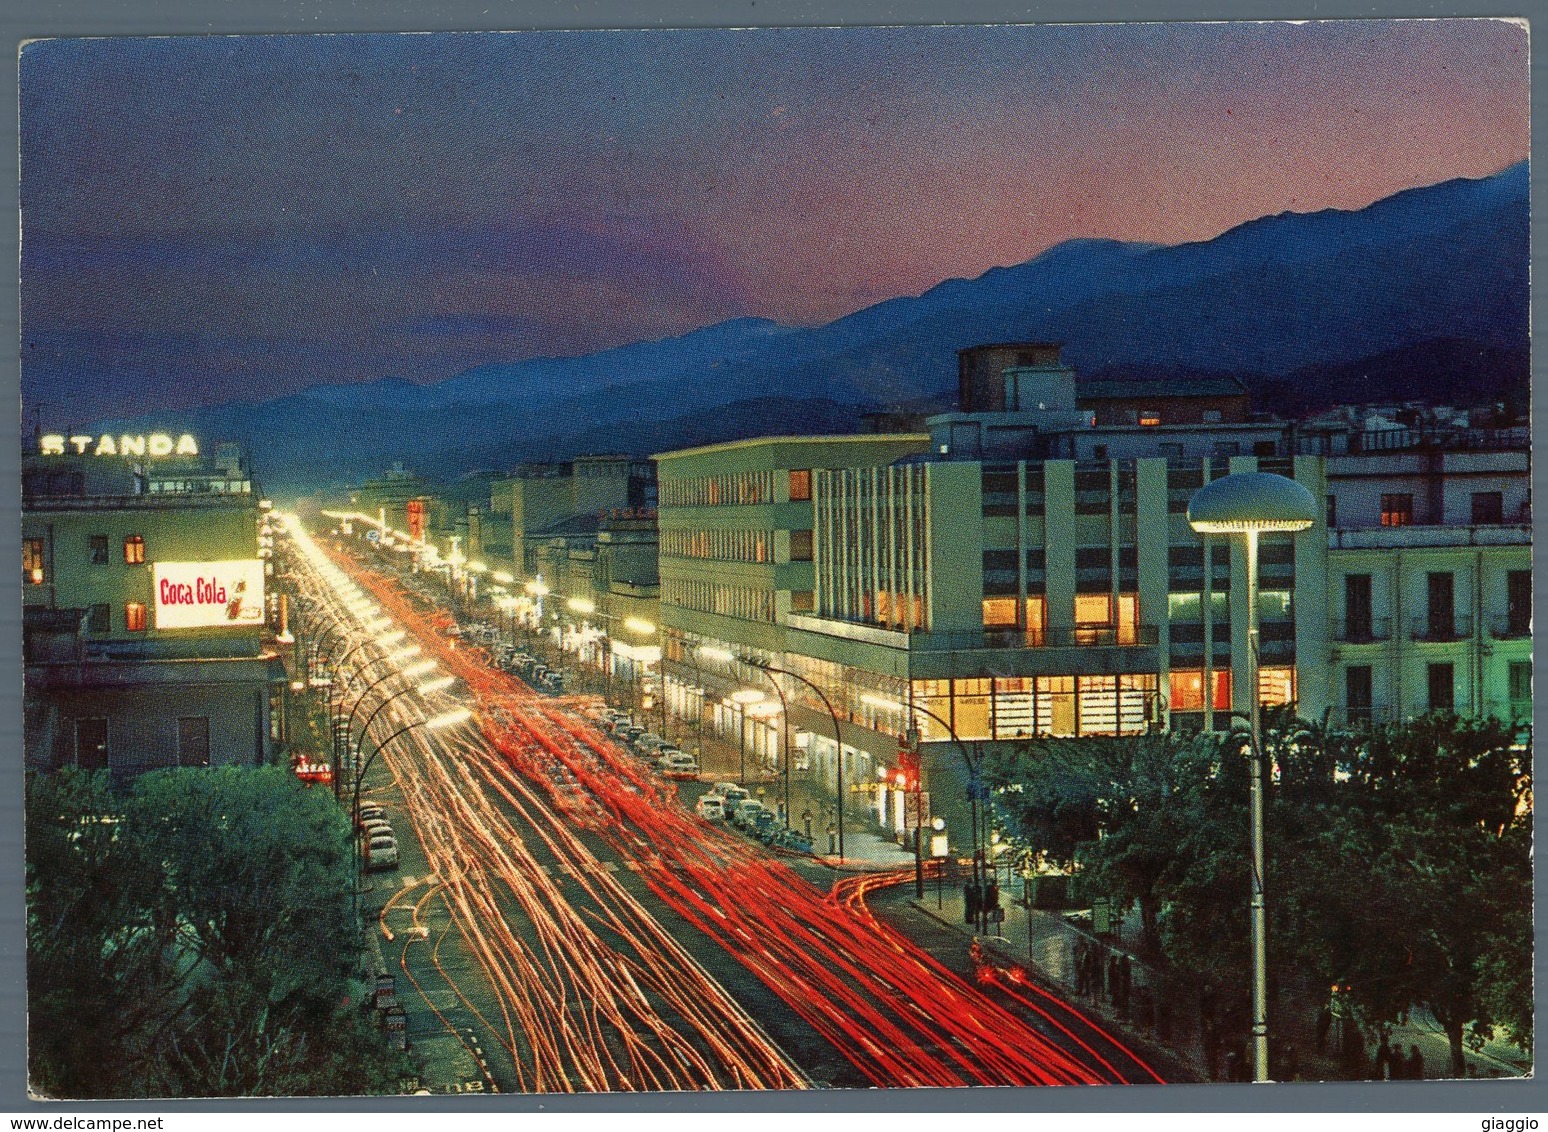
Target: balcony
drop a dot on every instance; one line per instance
(1082, 636)
(1510, 628)
(1442, 628)
(1362, 630)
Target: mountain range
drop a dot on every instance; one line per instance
(1424, 293)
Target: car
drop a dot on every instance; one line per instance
(383, 856)
(648, 743)
(375, 827)
(710, 808)
(744, 813)
(632, 732)
(733, 797)
(372, 810)
(679, 765)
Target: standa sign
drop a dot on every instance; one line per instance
(208, 595)
(125, 444)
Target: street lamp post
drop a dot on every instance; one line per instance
(743, 698)
(1249, 503)
(446, 719)
(784, 753)
(969, 760)
(838, 740)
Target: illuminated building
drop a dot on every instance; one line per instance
(1027, 571)
(144, 614)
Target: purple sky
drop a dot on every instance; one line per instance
(237, 218)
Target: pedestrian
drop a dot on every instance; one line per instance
(1324, 1024)
(1384, 1059)
(1415, 1064)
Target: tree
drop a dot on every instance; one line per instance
(1127, 800)
(240, 909)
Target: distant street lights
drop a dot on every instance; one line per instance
(1247, 504)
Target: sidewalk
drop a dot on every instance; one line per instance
(1167, 1007)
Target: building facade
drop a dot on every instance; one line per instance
(144, 616)
(1025, 570)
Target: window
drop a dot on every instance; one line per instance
(1397, 510)
(800, 546)
(98, 555)
(134, 617)
(100, 620)
(801, 601)
(1332, 511)
(1212, 416)
(1357, 693)
(91, 744)
(134, 550)
(1228, 448)
(1093, 609)
(1357, 607)
(1188, 690)
(32, 561)
(1518, 603)
(1488, 507)
(1274, 605)
(1150, 417)
(1184, 607)
(193, 741)
(1521, 686)
(1276, 686)
(1442, 688)
(800, 485)
(999, 612)
(1441, 603)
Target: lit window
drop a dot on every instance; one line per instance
(1150, 417)
(999, 612)
(134, 550)
(1397, 510)
(32, 561)
(800, 485)
(134, 617)
(1276, 686)
(800, 546)
(1093, 609)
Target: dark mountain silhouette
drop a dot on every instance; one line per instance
(1424, 293)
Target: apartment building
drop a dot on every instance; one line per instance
(144, 614)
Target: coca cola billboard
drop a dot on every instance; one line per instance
(208, 595)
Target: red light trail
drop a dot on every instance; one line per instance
(605, 998)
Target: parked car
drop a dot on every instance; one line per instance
(372, 810)
(679, 765)
(647, 742)
(383, 856)
(710, 808)
(376, 826)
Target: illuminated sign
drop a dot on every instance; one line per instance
(125, 444)
(208, 595)
(416, 519)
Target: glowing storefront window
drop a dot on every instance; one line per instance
(1188, 690)
(1276, 686)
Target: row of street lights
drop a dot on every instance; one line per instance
(1246, 504)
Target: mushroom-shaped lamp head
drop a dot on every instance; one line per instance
(1251, 501)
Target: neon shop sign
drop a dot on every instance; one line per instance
(152, 444)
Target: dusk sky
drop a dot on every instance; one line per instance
(238, 218)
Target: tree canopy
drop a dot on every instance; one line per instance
(1398, 859)
(193, 937)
